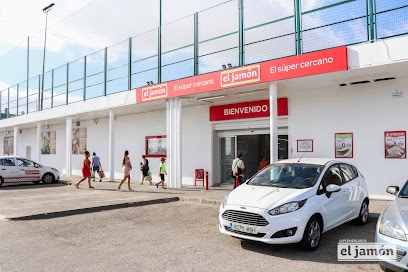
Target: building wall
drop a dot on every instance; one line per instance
(366, 110)
(129, 133)
(196, 143)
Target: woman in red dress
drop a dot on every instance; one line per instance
(86, 171)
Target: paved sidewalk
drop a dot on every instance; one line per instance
(23, 202)
(56, 200)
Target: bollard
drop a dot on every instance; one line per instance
(206, 180)
(236, 181)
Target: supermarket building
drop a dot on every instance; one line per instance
(207, 103)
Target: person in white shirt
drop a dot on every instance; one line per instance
(238, 168)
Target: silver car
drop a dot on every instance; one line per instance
(17, 169)
(392, 228)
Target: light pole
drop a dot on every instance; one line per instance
(45, 10)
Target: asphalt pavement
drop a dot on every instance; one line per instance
(26, 202)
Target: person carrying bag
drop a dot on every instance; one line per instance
(238, 168)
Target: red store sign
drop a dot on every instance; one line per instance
(325, 61)
(254, 109)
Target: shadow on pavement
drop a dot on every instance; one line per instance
(327, 251)
(28, 185)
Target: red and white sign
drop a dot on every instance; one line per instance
(320, 62)
(253, 109)
(241, 76)
(305, 65)
(154, 92)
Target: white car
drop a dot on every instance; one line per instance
(295, 200)
(16, 169)
(392, 228)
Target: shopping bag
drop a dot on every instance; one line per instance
(101, 173)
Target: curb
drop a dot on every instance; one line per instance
(200, 200)
(93, 209)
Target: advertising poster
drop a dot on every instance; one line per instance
(48, 142)
(78, 140)
(395, 144)
(8, 145)
(305, 145)
(156, 146)
(343, 145)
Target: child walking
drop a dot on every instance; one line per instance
(162, 172)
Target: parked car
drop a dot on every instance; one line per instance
(16, 169)
(295, 200)
(392, 228)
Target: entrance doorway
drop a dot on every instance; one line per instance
(252, 147)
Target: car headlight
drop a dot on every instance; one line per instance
(288, 207)
(389, 228)
(224, 202)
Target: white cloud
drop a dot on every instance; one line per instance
(76, 28)
(22, 18)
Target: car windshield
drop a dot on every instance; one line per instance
(25, 162)
(404, 191)
(293, 175)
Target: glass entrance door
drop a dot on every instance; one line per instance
(227, 155)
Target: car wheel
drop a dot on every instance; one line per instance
(363, 214)
(1, 181)
(48, 178)
(312, 234)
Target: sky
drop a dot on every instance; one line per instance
(75, 28)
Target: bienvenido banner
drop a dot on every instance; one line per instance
(320, 62)
(253, 109)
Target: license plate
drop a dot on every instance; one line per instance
(243, 228)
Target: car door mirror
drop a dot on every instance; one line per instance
(392, 190)
(331, 188)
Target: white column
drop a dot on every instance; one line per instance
(38, 147)
(173, 130)
(273, 120)
(68, 147)
(15, 142)
(111, 146)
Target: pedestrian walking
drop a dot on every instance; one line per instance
(238, 168)
(144, 167)
(126, 167)
(86, 171)
(96, 166)
(162, 172)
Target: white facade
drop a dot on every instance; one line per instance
(318, 108)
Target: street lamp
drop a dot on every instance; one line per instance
(45, 10)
